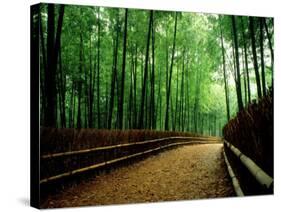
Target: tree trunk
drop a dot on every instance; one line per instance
(90, 118)
(50, 75)
(262, 58)
(146, 108)
(56, 50)
(181, 123)
(224, 76)
(210, 119)
(104, 124)
(159, 101)
(167, 65)
(130, 105)
(246, 61)
(42, 71)
(114, 74)
(85, 96)
(79, 121)
(238, 82)
(197, 99)
(253, 39)
(196, 102)
(62, 93)
(202, 124)
(74, 107)
(135, 87)
(94, 86)
(176, 102)
(70, 114)
(53, 44)
(244, 81)
(143, 95)
(98, 73)
(270, 45)
(172, 114)
(170, 77)
(152, 100)
(121, 95)
(215, 126)
(187, 116)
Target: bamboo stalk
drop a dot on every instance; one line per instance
(60, 154)
(95, 166)
(235, 182)
(262, 177)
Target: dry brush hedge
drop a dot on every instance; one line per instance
(251, 131)
(53, 140)
(69, 140)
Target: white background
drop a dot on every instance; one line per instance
(15, 112)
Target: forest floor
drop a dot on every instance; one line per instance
(186, 172)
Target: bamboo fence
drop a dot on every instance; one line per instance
(163, 144)
(235, 182)
(261, 176)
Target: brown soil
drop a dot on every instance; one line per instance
(187, 172)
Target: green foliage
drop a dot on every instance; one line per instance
(197, 88)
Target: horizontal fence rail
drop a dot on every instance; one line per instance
(234, 179)
(196, 140)
(60, 154)
(262, 177)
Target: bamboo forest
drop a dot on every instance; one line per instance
(135, 69)
(113, 76)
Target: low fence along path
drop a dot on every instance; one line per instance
(183, 173)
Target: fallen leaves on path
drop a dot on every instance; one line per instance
(187, 172)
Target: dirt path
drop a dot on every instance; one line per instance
(187, 172)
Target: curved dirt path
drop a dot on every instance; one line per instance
(187, 172)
